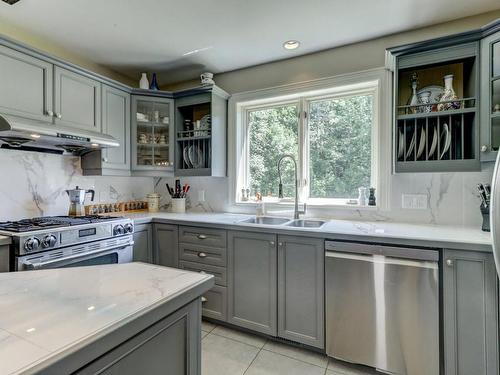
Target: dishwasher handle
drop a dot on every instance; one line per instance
(388, 251)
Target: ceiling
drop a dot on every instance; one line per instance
(160, 35)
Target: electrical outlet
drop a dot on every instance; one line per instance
(201, 195)
(414, 201)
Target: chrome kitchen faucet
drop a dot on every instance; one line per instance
(280, 188)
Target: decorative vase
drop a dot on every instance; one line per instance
(425, 98)
(448, 95)
(144, 82)
(413, 101)
(154, 83)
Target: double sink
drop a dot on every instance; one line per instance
(297, 223)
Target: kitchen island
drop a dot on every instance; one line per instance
(112, 319)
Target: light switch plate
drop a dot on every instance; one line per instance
(201, 195)
(414, 201)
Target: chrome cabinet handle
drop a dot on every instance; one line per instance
(203, 300)
(58, 115)
(449, 262)
(202, 255)
(484, 148)
(49, 113)
(202, 237)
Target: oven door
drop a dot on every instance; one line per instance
(66, 258)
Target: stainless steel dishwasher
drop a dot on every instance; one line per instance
(382, 306)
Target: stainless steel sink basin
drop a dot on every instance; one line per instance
(302, 223)
(266, 220)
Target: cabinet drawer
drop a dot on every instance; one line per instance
(218, 272)
(214, 303)
(203, 254)
(203, 236)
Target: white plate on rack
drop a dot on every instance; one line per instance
(186, 157)
(434, 143)
(401, 146)
(195, 156)
(421, 144)
(447, 140)
(412, 145)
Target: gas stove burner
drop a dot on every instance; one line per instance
(15, 141)
(38, 223)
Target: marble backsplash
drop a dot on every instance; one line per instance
(33, 184)
(451, 199)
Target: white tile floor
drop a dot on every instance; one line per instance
(226, 351)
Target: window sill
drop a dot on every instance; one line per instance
(311, 204)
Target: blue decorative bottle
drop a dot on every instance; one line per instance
(154, 83)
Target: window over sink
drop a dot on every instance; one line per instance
(331, 132)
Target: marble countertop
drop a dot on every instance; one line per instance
(46, 313)
(456, 237)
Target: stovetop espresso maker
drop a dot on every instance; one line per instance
(77, 200)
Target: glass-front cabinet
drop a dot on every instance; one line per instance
(152, 135)
(490, 96)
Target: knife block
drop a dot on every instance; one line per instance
(485, 211)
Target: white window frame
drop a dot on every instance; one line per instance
(375, 82)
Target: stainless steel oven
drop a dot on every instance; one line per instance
(113, 250)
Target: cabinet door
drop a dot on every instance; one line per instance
(26, 85)
(252, 281)
(301, 290)
(490, 97)
(143, 243)
(116, 123)
(470, 313)
(77, 100)
(166, 245)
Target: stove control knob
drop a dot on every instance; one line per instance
(118, 230)
(49, 241)
(129, 228)
(32, 244)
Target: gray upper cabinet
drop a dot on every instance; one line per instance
(166, 245)
(301, 290)
(116, 123)
(77, 100)
(252, 281)
(470, 315)
(490, 96)
(26, 85)
(143, 243)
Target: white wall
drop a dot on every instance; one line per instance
(33, 184)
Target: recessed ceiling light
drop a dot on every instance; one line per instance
(197, 51)
(35, 135)
(94, 144)
(291, 44)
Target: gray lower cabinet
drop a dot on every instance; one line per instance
(116, 123)
(170, 346)
(166, 245)
(470, 316)
(143, 243)
(301, 290)
(252, 281)
(77, 100)
(26, 85)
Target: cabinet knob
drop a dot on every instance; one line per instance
(58, 115)
(49, 113)
(203, 300)
(105, 160)
(202, 255)
(202, 236)
(280, 243)
(484, 148)
(271, 243)
(449, 262)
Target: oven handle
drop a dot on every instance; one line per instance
(34, 266)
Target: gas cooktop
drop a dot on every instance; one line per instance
(38, 223)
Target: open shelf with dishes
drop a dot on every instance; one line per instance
(436, 126)
(200, 134)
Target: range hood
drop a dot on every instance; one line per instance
(33, 135)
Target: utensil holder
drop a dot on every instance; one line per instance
(485, 211)
(178, 205)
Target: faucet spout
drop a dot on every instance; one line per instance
(280, 188)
